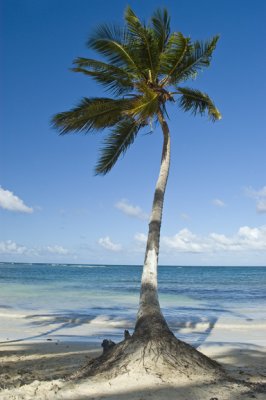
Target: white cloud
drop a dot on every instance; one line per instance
(218, 203)
(260, 197)
(10, 202)
(184, 241)
(253, 238)
(109, 245)
(246, 239)
(128, 209)
(140, 237)
(55, 249)
(10, 247)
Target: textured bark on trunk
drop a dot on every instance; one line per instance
(150, 318)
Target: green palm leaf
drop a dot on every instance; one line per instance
(90, 114)
(116, 144)
(197, 102)
(144, 105)
(176, 49)
(115, 79)
(112, 43)
(141, 41)
(198, 57)
(161, 28)
(139, 63)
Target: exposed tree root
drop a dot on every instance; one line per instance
(154, 354)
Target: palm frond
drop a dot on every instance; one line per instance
(138, 64)
(90, 114)
(134, 25)
(161, 28)
(145, 105)
(174, 53)
(116, 80)
(197, 102)
(116, 144)
(141, 41)
(111, 42)
(198, 57)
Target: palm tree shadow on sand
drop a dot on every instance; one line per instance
(187, 323)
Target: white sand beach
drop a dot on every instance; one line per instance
(37, 370)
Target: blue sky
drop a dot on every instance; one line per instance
(53, 208)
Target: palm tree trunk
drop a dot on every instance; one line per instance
(149, 313)
(152, 342)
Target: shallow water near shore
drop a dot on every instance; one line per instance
(61, 302)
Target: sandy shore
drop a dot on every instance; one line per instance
(34, 362)
(31, 370)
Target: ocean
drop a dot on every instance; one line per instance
(92, 302)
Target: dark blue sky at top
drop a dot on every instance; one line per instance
(54, 175)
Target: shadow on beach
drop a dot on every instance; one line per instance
(22, 363)
(193, 325)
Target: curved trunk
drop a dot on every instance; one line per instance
(152, 348)
(149, 314)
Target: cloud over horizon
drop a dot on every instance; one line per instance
(55, 249)
(11, 202)
(10, 247)
(246, 239)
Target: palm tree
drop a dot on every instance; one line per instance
(144, 67)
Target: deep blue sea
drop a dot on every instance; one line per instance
(90, 302)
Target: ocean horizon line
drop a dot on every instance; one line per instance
(127, 265)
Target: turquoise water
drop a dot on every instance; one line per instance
(189, 296)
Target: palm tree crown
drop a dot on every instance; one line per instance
(144, 66)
